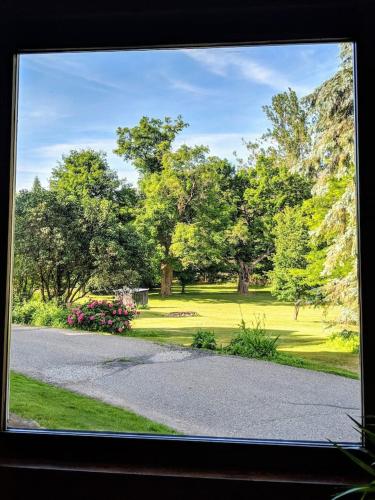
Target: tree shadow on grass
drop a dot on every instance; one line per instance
(258, 297)
(188, 332)
(332, 360)
(345, 360)
(291, 341)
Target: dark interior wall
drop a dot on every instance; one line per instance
(96, 24)
(46, 484)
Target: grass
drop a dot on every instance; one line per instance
(55, 408)
(220, 309)
(284, 358)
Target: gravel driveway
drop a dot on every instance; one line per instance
(192, 391)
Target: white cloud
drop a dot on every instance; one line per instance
(52, 63)
(41, 160)
(223, 62)
(55, 151)
(214, 60)
(43, 113)
(220, 144)
(189, 87)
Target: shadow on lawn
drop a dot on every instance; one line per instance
(345, 360)
(259, 297)
(222, 333)
(298, 340)
(340, 363)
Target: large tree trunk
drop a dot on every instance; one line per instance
(243, 278)
(246, 270)
(166, 279)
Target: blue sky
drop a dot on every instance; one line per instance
(77, 100)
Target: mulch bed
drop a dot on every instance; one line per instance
(181, 314)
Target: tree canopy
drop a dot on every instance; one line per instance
(145, 144)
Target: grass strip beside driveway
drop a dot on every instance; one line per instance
(55, 408)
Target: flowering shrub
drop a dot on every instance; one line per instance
(104, 316)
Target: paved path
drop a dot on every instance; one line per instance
(192, 391)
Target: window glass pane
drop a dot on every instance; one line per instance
(185, 254)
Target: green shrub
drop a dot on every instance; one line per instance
(39, 313)
(23, 312)
(50, 314)
(204, 340)
(346, 340)
(253, 342)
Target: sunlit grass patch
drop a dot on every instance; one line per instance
(221, 309)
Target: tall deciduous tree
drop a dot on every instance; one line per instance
(85, 173)
(184, 211)
(289, 134)
(183, 206)
(77, 232)
(25, 266)
(145, 144)
(289, 280)
(261, 192)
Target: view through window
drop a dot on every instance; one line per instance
(185, 254)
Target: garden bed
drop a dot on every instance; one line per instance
(181, 314)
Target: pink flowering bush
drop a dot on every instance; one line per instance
(103, 315)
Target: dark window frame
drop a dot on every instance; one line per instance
(36, 27)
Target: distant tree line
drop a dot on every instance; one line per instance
(285, 215)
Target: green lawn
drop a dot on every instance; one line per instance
(220, 308)
(56, 408)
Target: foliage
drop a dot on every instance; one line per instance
(261, 191)
(204, 210)
(146, 143)
(56, 408)
(102, 315)
(49, 314)
(331, 110)
(63, 242)
(289, 134)
(289, 280)
(23, 313)
(71, 235)
(85, 174)
(346, 340)
(106, 283)
(204, 339)
(38, 313)
(186, 276)
(183, 211)
(25, 274)
(253, 342)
